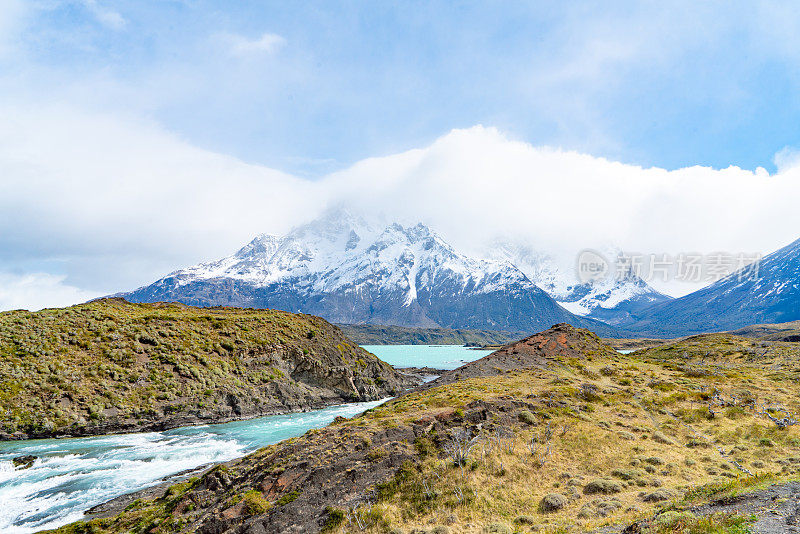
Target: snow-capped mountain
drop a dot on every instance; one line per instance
(350, 270)
(767, 292)
(612, 299)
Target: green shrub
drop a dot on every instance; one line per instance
(527, 417)
(335, 517)
(602, 486)
(255, 503)
(424, 446)
(289, 497)
(672, 517)
(377, 453)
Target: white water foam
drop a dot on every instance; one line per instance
(70, 476)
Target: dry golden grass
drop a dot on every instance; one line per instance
(649, 430)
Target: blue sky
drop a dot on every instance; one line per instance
(669, 84)
(123, 124)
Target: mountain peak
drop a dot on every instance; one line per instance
(333, 225)
(352, 270)
(261, 245)
(613, 299)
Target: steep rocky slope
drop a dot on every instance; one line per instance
(595, 441)
(111, 366)
(352, 271)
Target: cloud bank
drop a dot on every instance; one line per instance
(106, 204)
(38, 290)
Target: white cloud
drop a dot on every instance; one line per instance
(786, 159)
(38, 290)
(476, 184)
(77, 184)
(239, 45)
(105, 16)
(85, 186)
(561, 197)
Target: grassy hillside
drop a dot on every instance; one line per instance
(771, 332)
(111, 366)
(368, 334)
(579, 441)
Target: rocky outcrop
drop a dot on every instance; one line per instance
(543, 350)
(771, 510)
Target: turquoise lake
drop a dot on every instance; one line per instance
(71, 475)
(436, 356)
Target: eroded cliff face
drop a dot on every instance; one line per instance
(110, 366)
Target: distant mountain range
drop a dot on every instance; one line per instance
(350, 270)
(769, 293)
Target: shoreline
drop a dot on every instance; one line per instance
(172, 424)
(118, 504)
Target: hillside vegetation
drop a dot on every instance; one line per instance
(111, 366)
(577, 438)
(771, 332)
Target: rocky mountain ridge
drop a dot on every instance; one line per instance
(612, 299)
